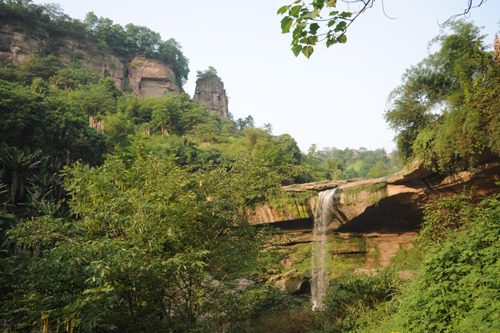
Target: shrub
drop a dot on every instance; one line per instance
(457, 289)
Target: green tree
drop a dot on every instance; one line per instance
(165, 117)
(155, 247)
(43, 67)
(248, 122)
(94, 100)
(117, 128)
(170, 51)
(70, 78)
(442, 80)
(19, 169)
(211, 71)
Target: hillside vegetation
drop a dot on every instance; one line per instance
(120, 213)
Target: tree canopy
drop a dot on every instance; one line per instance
(444, 110)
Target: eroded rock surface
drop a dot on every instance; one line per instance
(211, 93)
(149, 77)
(146, 77)
(388, 204)
(15, 48)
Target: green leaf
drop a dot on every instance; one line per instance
(312, 40)
(286, 24)
(313, 29)
(342, 39)
(318, 4)
(331, 3)
(330, 41)
(296, 49)
(341, 26)
(332, 22)
(283, 10)
(307, 51)
(295, 11)
(311, 15)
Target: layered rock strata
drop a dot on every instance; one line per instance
(388, 204)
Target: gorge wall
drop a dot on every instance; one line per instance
(145, 77)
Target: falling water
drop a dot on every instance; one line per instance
(322, 218)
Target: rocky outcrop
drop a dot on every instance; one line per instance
(385, 205)
(149, 77)
(146, 77)
(14, 48)
(293, 281)
(211, 93)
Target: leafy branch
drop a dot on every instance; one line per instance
(308, 23)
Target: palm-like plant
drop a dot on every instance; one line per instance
(19, 170)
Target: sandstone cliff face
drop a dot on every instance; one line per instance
(146, 77)
(149, 77)
(375, 221)
(211, 93)
(14, 48)
(389, 204)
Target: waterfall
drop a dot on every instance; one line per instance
(322, 218)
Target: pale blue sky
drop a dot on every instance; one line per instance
(335, 99)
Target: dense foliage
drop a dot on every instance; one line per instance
(446, 110)
(458, 286)
(125, 42)
(120, 213)
(150, 245)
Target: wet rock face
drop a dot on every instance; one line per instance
(211, 93)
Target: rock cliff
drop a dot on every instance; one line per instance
(375, 221)
(211, 93)
(145, 77)
(149, 77)
(388, 204)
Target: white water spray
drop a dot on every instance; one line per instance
(322, 218)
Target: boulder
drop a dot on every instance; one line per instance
(298, 285)
(293, 281)
(243, 284)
